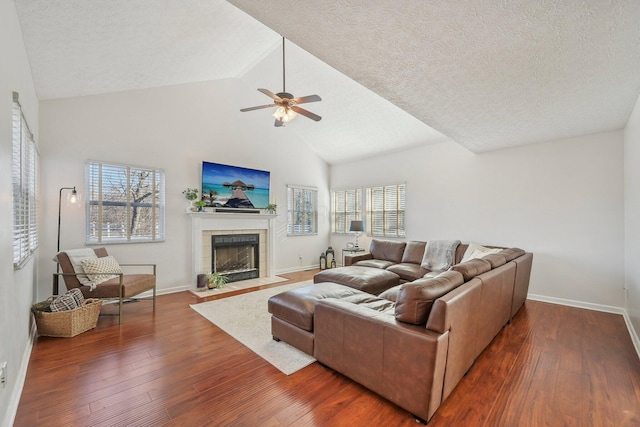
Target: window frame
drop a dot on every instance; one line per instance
(312, 213)
(351, 212)
(387, 212)
(25, 176)
(94, 228)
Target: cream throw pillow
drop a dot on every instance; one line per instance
(477, 251)
(100, 270)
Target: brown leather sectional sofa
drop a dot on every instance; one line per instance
(412, 343)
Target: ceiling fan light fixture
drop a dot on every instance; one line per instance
(284, 114)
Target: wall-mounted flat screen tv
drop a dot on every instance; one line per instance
(228, 186)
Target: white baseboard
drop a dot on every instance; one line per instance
(595, 307)
(14, 400)
(633, 333)
(577, 304)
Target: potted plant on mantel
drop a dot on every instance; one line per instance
(191, 194)
(216, 280)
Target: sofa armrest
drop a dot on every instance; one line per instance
(403, 363)
(458, 312)
(352, 259)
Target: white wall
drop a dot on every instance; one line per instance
(561, 200)
(174, 128)
(16, 287)
(632, 219)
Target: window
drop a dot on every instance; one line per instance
(302, 211)
(346, 206)
(125, 203)
(385, 211)
(25, 188)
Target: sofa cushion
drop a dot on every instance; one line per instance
(391, 294)
(512, 253)
(371, 302)
(414, 300)
(296, 306)
(366, 279)
(408, 271)
(496, 260)
(413, 252)
(387, 250)
(375, 263)
(472, 268)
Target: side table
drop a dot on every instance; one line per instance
(350, 251)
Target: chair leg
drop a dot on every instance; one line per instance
(120, 303)
(154, 298)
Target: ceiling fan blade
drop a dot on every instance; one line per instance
(303, 99)
(306, 113)
(258, 107)
(278, 123)
(270, 94)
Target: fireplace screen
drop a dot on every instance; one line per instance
(236, 256)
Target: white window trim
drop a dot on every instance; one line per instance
(25, 172)
(158, 206)
(314, 214)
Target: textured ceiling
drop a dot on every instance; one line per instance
(489, 74)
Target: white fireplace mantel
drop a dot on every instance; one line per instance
(206, 221)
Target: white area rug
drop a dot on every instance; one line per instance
(245, 318)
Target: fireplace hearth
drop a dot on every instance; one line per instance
(237, 256)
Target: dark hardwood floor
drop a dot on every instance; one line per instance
(553, 366)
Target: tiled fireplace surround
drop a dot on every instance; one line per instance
(204, 225)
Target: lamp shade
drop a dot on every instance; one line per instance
(356, 226)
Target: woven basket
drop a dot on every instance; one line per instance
(68, 323)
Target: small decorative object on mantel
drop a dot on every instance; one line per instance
(216, 280)
(271, 208)
(191, 194)
(200, 204)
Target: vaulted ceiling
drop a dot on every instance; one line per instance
(392, 74)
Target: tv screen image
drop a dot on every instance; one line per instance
(234, 187)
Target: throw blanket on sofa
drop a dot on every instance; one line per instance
(439, 255)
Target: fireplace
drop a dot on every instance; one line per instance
(205, 225)
(237, 256)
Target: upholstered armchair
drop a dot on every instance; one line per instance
(100, 276)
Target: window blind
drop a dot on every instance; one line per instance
(125, 203)
(25, 187)
(346, 206)
(302, 211)
(385, 210)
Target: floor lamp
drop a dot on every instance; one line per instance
(73, 198)
(357, 226)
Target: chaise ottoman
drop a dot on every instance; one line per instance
(292, 312)
(371, 280)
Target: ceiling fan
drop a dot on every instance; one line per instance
(286, 103)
